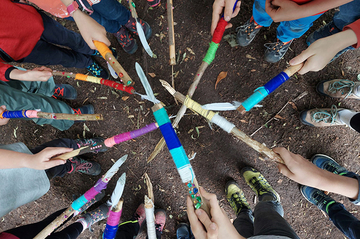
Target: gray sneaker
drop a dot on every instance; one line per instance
(276, 50)
(97, 215)
(322, 117)
(339, 88)
(247, 32)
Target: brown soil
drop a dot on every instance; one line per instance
(219, 155)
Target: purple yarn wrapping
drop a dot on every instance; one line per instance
(100, 185)
(122, 137)
(136, 133)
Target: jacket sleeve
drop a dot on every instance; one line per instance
(355, 26)
(5, 70)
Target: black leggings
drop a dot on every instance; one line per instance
(31, 230)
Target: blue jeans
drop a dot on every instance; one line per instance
(268, 221)
(109, 13)
(348, 13)
(286, 31)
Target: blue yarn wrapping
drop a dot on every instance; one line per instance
(171, 139)
(14, 114)
(110, 232)
(78, 203)
(275, 82)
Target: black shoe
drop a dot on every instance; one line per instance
(275, 51)
(96, 70)
(126, 41)
(96, 143)
(153, 3)
(247, 32)
(83, 166)
(131, 26)
(65, 91)
(85, 109)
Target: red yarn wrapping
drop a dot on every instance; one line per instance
(219, 31)
(118, 86)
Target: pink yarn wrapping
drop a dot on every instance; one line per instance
(114, 218)
(31, 113)
(90, 194)
(117, 139)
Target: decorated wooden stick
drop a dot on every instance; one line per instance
(110, 142)
(97, 80)
(263, 91)
(109, 57)
(100, 185)
(44, 115)
(222, 123)
(170, 16)
(177, 151)
(209, 57)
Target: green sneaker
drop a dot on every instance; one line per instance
(317, 197)
(236, 197)
(259, 185)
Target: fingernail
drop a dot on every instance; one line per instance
(227, 18)
(198, 212)
(213, 226)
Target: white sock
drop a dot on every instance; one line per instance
(346, 115)
(357, 91)
(83, 223)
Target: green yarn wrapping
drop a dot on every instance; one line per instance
(210, 54)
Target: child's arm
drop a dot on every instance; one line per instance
(37, 74)
(304, 172)
(319, 53)
(3, 121)
(89, 29)
(287, 10)
(40, 161)
(223, 5)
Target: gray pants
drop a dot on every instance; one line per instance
(268, 221)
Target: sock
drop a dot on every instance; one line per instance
(346, 115)
(357, 91)
(83, 223)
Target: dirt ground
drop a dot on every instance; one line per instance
(219, 155)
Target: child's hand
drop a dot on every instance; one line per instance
(3, 121)
(37, 74)
(41, 160)
(218, 8)
(219, 226)
(283, 10)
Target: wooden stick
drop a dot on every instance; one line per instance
(149, 187)
(132, 9)
(118, 206)
(171, 32)
(71, 154)
(109, 57)
(74, 117)
(262, 149)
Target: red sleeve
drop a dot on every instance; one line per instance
(355, 26)
(5, 70)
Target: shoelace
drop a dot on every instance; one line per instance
(247, 27)
(332, 168)
(235, 198)
(260, 185)
(277, 46)
(327, 117)
(82, 166)
(77, 111)
(340, 86)
(59, 91)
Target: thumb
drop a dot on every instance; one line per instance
(212, 231)
(229, 5)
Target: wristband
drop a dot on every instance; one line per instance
(72, 7)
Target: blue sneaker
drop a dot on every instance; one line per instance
(329, 164)
(183, 232)
(97, 70)
(65, 91)
(317, 197)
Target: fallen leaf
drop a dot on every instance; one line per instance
(191, 51)
(152, 75)
(102, 98)
(250, 57)
(293, 105)
(131, 116)
(231, 39)
(279, 117)
(221, 76)
(243, 121)
(253, 70)
(124, 98)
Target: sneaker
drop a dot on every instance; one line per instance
(95, 216)
(127, 42)
(322, 117)
(65, 91)
(97, 198)
(98, 71)
(247, 32)
(113, 51)
(329, 164)
(338, 88)
(275, 51)
(85, 109)
(259, 185)
(236, 197)
(131, 26)
(96, 143)
(83, 166)
(183, 231)
(317, 197)
(160, 219)
(153, 3)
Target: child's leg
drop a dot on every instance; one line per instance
(45, 53)
(348, 14)
(15, 99)
(128, 230)
(269, 220)
(244, 223)
(260, 15)
(70, 232)
(287, 31)
(342, 219)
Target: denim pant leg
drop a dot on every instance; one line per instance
(287, 31)
(269, 220)
(244, 223)
(348, 13)
(61, 170)
(260, 15)
(342, 219)
(46, 53)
